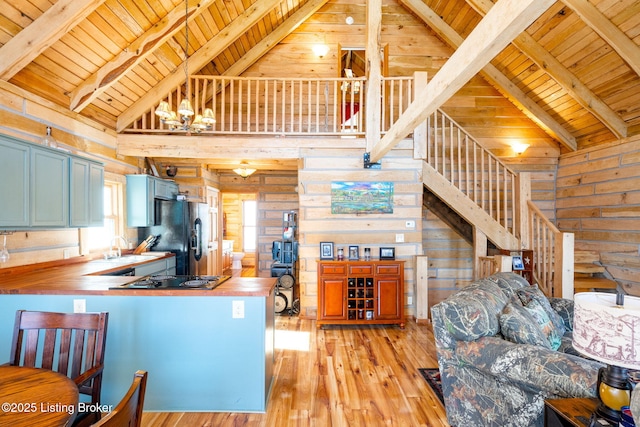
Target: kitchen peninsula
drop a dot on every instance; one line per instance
(204, 349)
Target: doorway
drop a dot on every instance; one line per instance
(240, 230)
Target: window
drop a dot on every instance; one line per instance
(100, 237)
(249, 225)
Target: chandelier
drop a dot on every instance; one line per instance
(182, 119)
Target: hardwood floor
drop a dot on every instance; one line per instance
(339, 376)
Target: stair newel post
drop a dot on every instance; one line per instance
(420, 132)
(564, 266)
(521, 226)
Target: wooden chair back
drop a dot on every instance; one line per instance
(128, 412)
(72, 344)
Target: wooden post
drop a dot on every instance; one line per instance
(420, 132)
(374, 74)
(521, 221)
(564, 266)
(422, 288)
(479, 250)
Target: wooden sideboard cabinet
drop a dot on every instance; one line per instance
(360, 292)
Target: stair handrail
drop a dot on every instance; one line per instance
(553, 254)
(459, 157)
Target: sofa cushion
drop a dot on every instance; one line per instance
(473, 312)
(533, 293)
(508, 282)
(544, 323)
(564, 307)
(518, 326)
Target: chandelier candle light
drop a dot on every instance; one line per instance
(182, 120)
(607, 328)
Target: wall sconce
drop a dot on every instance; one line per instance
(519, 147)
(320, 50)
(243, 170)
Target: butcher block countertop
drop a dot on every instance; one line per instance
(81, 277)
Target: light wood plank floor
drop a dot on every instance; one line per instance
(342, 376)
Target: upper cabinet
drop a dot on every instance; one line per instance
(142, 190)
(42, 187)
(86, 197)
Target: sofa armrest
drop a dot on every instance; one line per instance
(533, 367)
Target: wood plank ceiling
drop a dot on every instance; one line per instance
(575, 72)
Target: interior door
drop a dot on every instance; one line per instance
(214, 243)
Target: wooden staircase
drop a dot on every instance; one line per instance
(589, 273)
(493, 200)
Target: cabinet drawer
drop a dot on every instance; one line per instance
(388, 269)
(332, 269)
(360, 269)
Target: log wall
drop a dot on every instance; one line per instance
(317, 223)
(598, 199)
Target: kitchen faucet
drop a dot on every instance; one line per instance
(119, 249)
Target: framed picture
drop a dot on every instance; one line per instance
(354, 252)
(326, 250)
(517, 263)
(387, 253)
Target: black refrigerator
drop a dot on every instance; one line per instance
(182, 228)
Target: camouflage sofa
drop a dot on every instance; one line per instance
(503, 348)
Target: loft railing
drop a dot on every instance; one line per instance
(285, 106)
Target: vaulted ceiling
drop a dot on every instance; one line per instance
(574, 73)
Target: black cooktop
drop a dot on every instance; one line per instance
(175, 282)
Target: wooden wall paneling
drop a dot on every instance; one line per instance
(317, 224)
(598, 191)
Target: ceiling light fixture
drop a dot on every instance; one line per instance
(519, 147)
(320, 50)
(182, 119)
(244, 170)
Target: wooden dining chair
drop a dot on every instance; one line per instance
(72, 344)
(128, 412)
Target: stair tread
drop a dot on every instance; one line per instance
(593, 282)
(588, 268)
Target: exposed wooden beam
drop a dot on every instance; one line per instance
(374, 72)
(626, 48)
(506, 20)
(240, 147)
(138, 50)
(25, 46)
(565, 78)
(212, 48)
(501, 82)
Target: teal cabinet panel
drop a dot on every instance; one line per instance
(49, 188)
(199, 357)
(86, 201)
(14, 183)
(141, 192)
(96, 195)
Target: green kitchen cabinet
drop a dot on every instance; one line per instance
(87, 189)
(49, 188)
(14, 183)
(142, 190)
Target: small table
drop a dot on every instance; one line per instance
(33, 396)
(571, 412)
